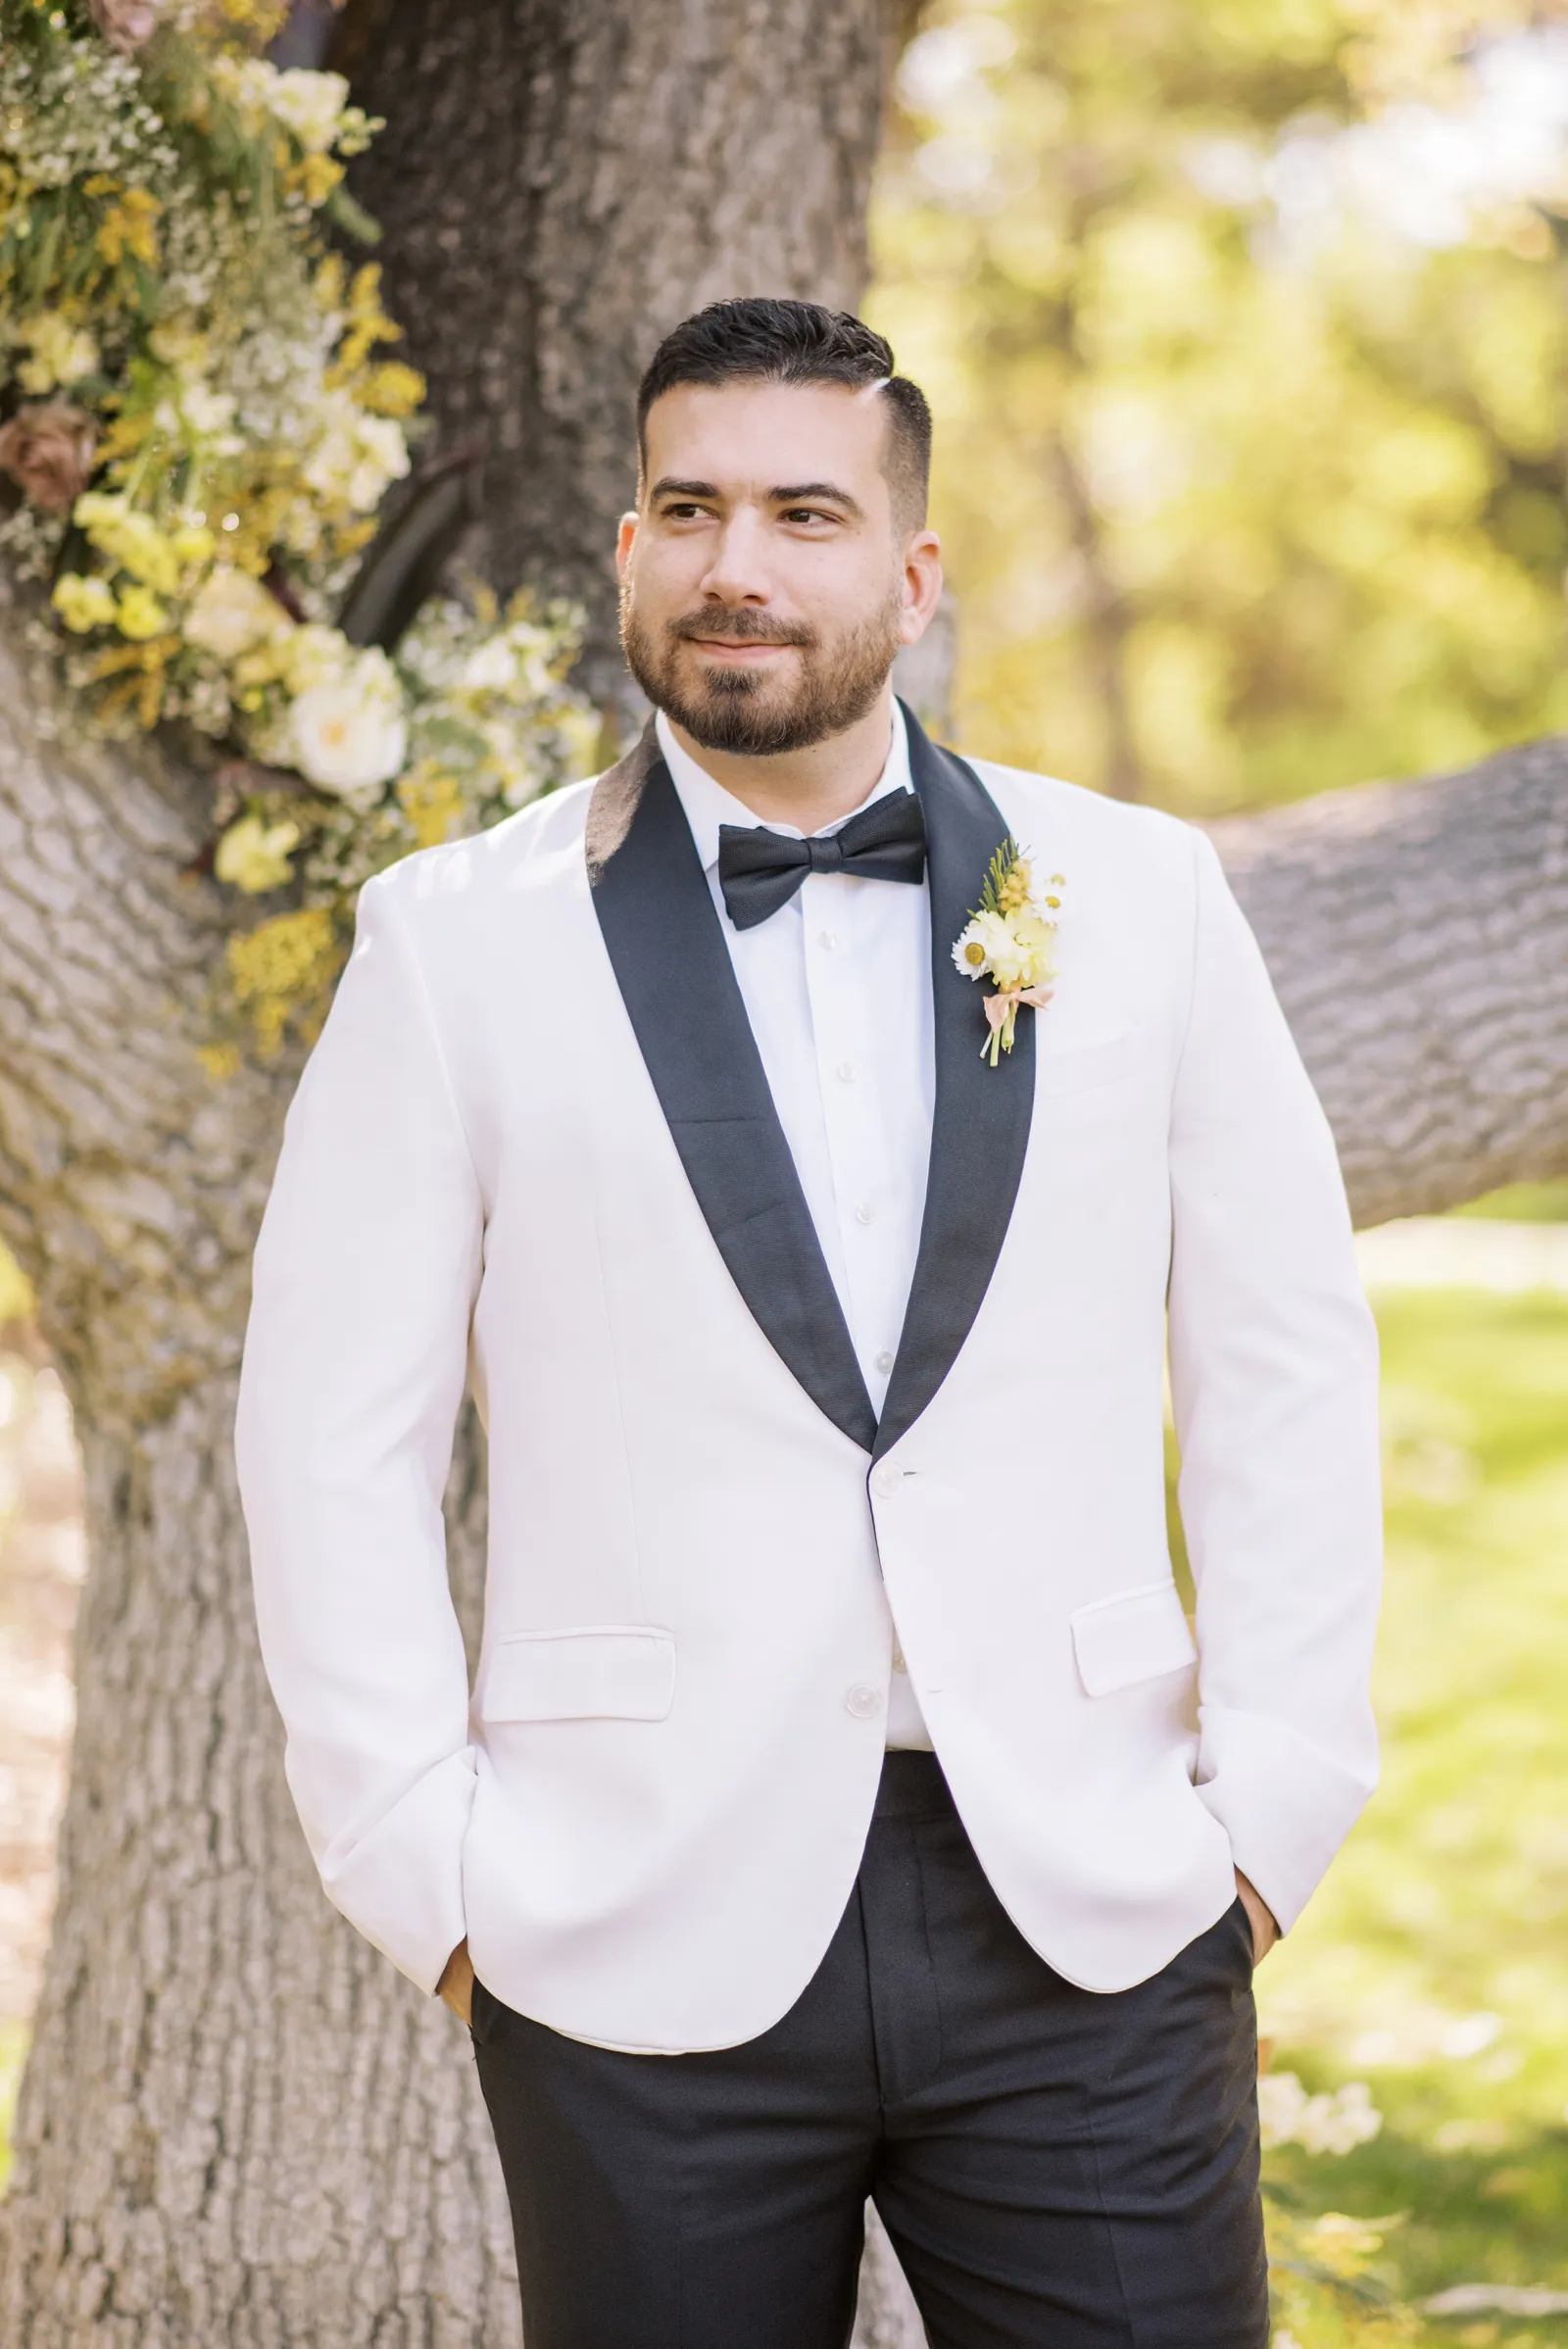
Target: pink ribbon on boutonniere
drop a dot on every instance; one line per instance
(1002, 1010)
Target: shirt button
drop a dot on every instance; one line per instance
(865, 1212)
(844, 1072)
(884, 1360)
(826, 941)
(863, 1701)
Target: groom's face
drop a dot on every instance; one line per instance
(765, 582)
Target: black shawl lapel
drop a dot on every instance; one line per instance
(980, 1127)
(678, 985)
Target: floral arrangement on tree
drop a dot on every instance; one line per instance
(200, 415)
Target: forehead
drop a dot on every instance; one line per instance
(747, 437)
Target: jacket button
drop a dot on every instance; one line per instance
(863, 1701)
(886, 1478)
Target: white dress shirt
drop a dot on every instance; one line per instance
(837, 987)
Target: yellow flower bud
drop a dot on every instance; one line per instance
(139, 614)
(84, 603)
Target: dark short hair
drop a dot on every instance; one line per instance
(766, 339)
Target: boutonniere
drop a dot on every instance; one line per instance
(1008, 939)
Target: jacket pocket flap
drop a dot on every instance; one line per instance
(1084, 1064)
(1134, 1637)
(611, 1672)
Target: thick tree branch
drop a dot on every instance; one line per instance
(1419, 936)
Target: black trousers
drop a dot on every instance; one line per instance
(1055, 2167)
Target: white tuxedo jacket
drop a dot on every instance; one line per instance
(535, 1148)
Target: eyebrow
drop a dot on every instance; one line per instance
(790, 494)
(799, 493)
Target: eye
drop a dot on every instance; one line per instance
(807, 513)
(684, 511)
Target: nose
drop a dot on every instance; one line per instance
(737, 575)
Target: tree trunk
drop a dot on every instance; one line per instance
(238, 2125)
(560, 184)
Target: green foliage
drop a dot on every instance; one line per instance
(1229, 518)
(1431, 1963)
(1522, 1203)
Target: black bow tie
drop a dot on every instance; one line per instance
(760, 870)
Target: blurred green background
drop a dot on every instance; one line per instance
(1244, 329)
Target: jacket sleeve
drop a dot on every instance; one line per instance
(1273, 1357)
(355, 1364)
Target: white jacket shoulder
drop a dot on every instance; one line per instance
(1132, 836)
(537, 845)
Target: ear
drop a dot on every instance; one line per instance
(624, 535)
(922, 585)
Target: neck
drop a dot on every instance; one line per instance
(807, 788)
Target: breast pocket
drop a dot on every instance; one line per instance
(1136, 1636)
(602, 1672)
(1083, 1066)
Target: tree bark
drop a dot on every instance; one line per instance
(1418, 937)
(238, 2125)
(569, 181)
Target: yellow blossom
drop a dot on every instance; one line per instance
(139, 614)
(62, 353)
(432, 802)
(282, 971)
(1028, 962)
(129, 225)
(316, 177)
(367, 324)
(133, 540)
(392, 389)
(254, 856)
(84, 603)
(330, 279)
(1013, 894)
(180, 346)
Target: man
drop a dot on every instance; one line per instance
(843, 1808)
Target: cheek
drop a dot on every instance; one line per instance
(661, 580)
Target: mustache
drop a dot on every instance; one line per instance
(750, 627)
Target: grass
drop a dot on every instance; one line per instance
(1431, 1965)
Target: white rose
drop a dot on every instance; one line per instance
(355, 455)
(232, 612)
(348, 734)
(308, 103)
(490, 667)
(382, 456)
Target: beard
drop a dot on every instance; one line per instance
(752, 717)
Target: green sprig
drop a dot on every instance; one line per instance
(1002, 864)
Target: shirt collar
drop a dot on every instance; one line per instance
(707, 805)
